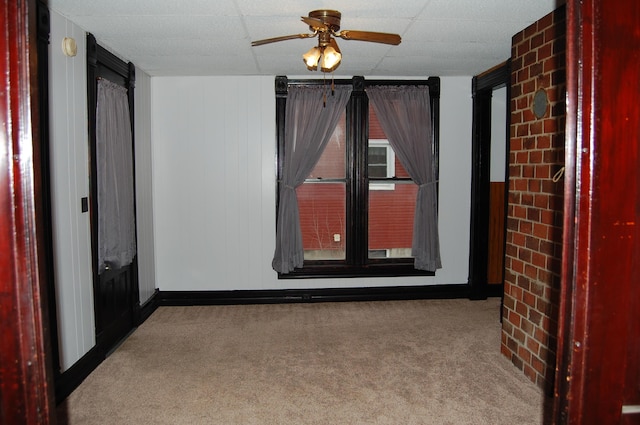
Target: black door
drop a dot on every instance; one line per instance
(116, 297)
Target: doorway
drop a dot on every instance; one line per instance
(491, 94)
(115, 282)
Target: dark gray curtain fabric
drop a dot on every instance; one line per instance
(114, 155)
(405, 116)
(309, 124)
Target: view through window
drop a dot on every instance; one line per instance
(357, 205)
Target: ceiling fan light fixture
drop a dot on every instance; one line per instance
(325, 25)
(311, 58)
(331, 57)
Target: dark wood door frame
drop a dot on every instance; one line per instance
(482, 90)
(598, 367)
(26, 377)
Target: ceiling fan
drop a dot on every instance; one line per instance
(325, 24)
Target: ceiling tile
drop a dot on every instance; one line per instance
(206, 37)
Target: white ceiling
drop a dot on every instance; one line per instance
(213, 37)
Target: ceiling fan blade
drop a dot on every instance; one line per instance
(282, 38)
(376, 37)
(314, 23)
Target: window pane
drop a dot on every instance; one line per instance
(390, 210)
(377, 155)
(378, 162)
(322, 220)
(322, 203)
(391, 220)
(377, 171)
(376, 133)
(332, 162)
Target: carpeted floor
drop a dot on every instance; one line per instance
(396, 362)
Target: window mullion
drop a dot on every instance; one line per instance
(351, 188)
(359, 136)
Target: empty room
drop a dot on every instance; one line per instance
(313, 212)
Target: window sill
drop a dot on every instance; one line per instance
(318, 270)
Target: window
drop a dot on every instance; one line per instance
(356, 207)
(380, 163)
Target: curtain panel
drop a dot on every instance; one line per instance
(404, 113)
(311, 116)
(114, 156)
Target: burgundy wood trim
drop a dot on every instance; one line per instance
(565, 331)
(26, 393)
(602, 181)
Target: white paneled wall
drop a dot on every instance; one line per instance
(213, 168)
(454, 205)
(70, 182)
(497, 169)
(214, 152)
(144, 186)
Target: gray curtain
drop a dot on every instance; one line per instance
(114, 156)
(309, 123)
(405, 116)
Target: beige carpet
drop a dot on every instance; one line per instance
(398, 362)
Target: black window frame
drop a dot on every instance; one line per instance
(356, 263)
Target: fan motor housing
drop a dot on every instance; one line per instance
(330, 18)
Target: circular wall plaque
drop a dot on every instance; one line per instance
(540, 102)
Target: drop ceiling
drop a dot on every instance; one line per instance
(213, 37)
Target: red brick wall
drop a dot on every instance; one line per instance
(322, 207)
(534, 222)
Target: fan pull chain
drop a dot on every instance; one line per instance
(324, 91)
